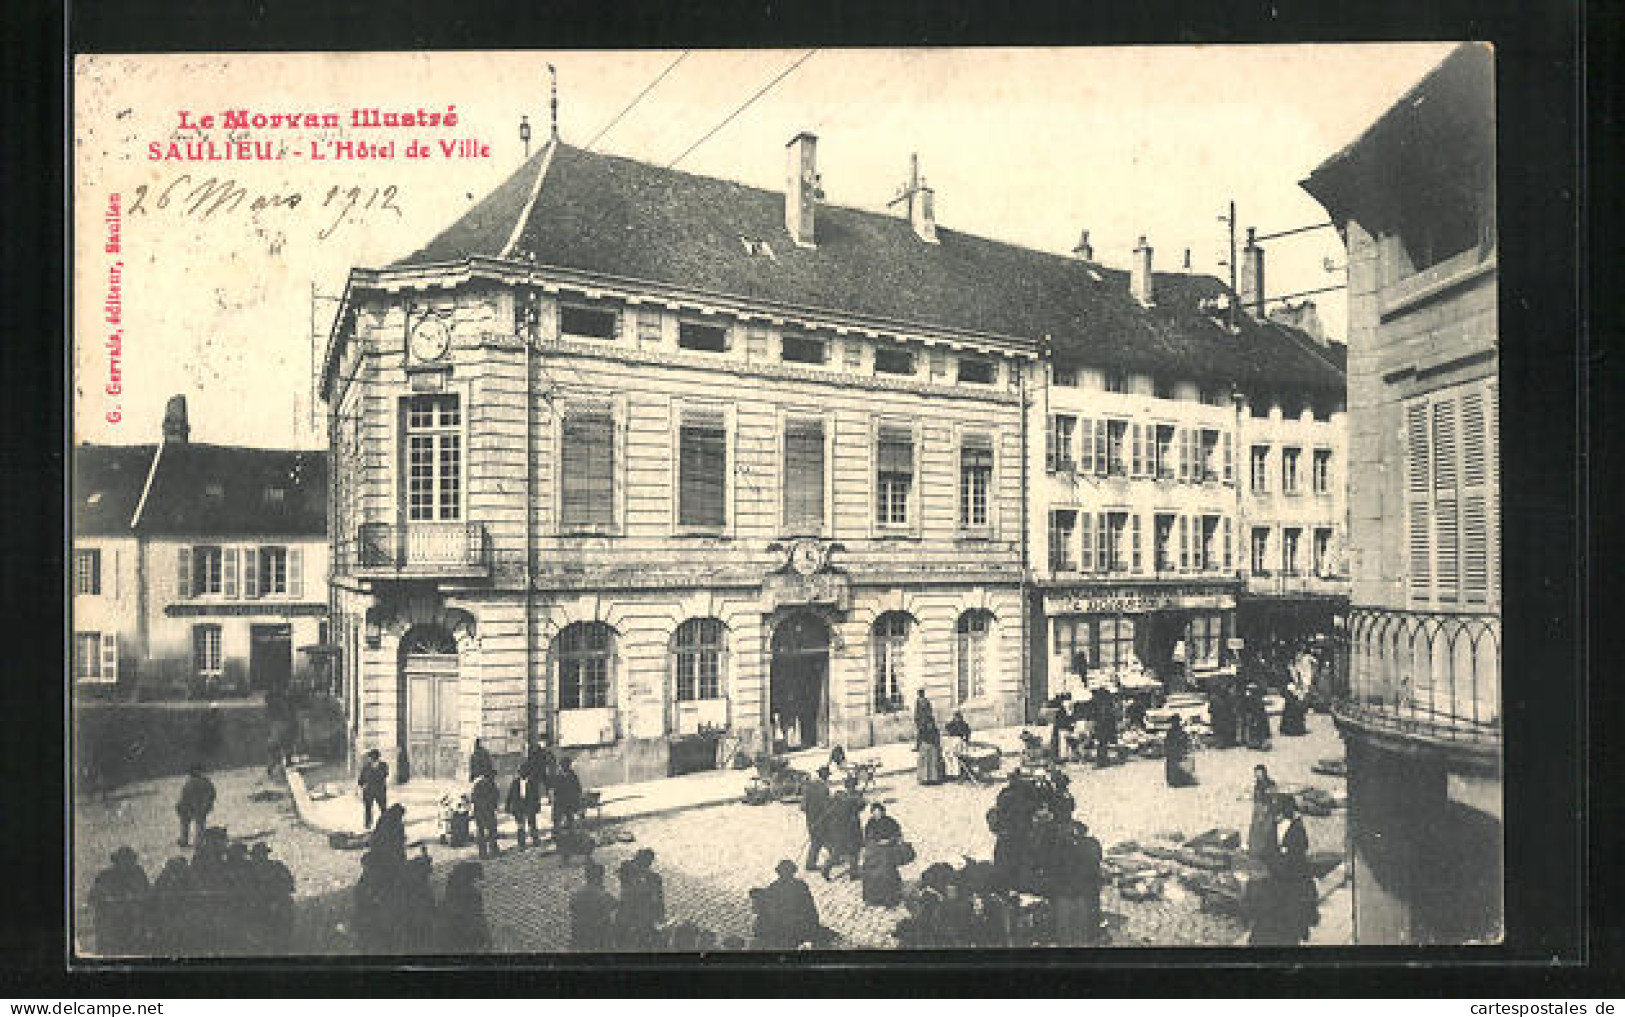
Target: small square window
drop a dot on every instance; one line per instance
(800, 349)
(709, 338)
(976, 371)
(894, 360)
(587, 323)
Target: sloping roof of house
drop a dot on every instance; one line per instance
(618, 217)
(199, 490)
(107, 483)
(204, 489)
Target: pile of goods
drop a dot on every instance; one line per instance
(775, 781)
(1211, 865)
(1314, 801)
(1332, 767)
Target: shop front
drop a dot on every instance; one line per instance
(1134, 637)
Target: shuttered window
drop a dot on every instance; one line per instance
(703, 472)
(1137, 466)
(1184, 543)
(1058, 443)
(1229, 558)
(1106, 554)
(1452, 504)
(1102, 448)
(975, 480)
(894, 475)
(1229, 459)
(804, 476)
(1087, 564)
(1138, 556)
(587, 469)
(1063, 525)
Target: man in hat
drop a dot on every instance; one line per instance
(786, 914)
(117, 899)
(566, 795)
(485, 798)
(195, 804)
(815, 797)
(374, 784)
(592, 912)
(479, 762)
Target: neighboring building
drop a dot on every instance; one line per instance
(1140, 455)
(1414, 197)
(626, 452)
(197, 569)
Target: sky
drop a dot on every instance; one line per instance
(1027, 146)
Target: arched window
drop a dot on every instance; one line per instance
(972, 636)
(698, 648)
(586, 652)
(891, 635)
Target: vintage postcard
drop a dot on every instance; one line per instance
(768, 500)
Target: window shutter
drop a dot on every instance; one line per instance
(1138, 561)
(1087, 521)
(587, 487)
(228, 557)
(804, 476)
(1086, 427)
(1446, 524)
(1229, 459)
(1184, 544)
(251, 572)
(1417, 489)
(1138, 461)
(296, 572)
(1492, 493)
(1474, 499)
(109, 657)
(1229, 558)
(1103, 543)
(703, 466)
(1051, 446)
(183, 573)
(1103, 447)
(1184, 443)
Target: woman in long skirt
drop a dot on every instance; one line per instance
(1261, 830)
(929, 746)
(1178, 767)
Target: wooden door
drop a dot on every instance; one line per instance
(432, 714)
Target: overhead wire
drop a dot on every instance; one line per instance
(638, 98)
(742, 107)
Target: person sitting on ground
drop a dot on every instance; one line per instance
(194, 805)
(786, 914)
(389, 836)
(118, 899)
(461, 927)
(592, 912)
(643, 903)
(272, 896)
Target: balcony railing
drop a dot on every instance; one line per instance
(419, 549)
(1429, 674)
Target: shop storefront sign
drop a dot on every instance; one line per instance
(1136, 601)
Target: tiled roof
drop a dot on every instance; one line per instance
(107, 482)
(223, 489)
(618, 217)
(200, 490)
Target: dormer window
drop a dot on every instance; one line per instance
(214, 491)
(1117, 381)
(706, 338)
(1066, 377)
(894, 360)
(801, 349)
(1163, 388)
(976, 371)
(586, 322)
(275, 495)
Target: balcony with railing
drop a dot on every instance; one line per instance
(422, 550)
(1417, 675)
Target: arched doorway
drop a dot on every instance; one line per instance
(428, 685)
(798, 698)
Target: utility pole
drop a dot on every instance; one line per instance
(1230, 220)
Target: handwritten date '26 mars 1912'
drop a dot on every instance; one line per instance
(335, 205)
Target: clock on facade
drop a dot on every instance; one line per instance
(430, 340)
(808, 557)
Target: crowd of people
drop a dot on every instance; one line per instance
(228, 898)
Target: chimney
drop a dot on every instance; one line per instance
(1305, 317)
(1187, 264)
(801, 189)
(1251, 282)
(1083, 251)
(1139, 283)
(922, 212)
(176, 430)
